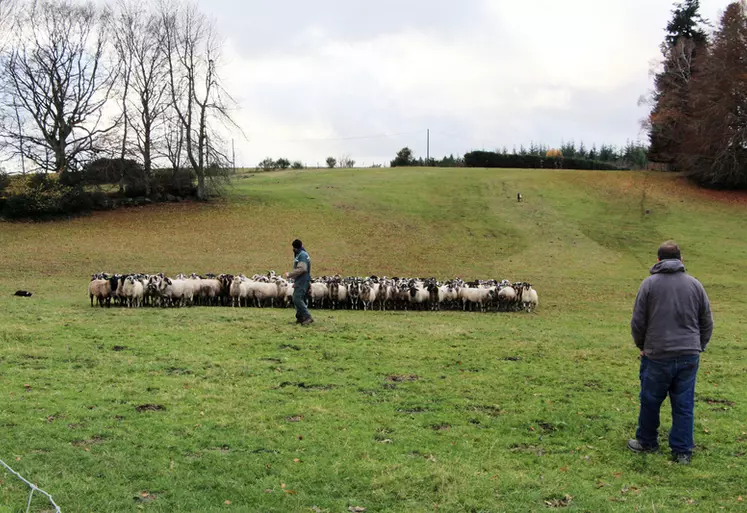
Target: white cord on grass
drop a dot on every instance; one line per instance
(33, 487)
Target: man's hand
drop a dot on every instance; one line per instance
(643, 354)
(287, 275)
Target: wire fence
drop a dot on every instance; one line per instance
(33, 488)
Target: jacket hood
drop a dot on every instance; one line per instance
(668, 267)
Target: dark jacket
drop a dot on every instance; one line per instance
(672, 314)
(301, 272)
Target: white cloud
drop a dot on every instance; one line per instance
(517, 71)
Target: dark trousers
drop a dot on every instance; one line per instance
(299, 301)
(674, 377)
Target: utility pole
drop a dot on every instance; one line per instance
(233, 156)
(428, 149)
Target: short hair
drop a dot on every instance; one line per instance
(297, 244)
(669, 250)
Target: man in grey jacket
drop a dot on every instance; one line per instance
(301, 276)
(671, 326)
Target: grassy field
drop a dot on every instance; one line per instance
(220, 409)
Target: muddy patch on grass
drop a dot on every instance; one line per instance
(510, 358)
(294, 418)
(274, 360)
(487, 409)
(549, 427)
(716, 402)
(150, 407)
(145, 497)
(223, 448)
(559, 502)
(34, 357)
(119, 348)
(440, 427)
(289, 346)
(96, 439)
(306, 386)
(178, 371)
(402, 378)
(263, 450)
(414, 409)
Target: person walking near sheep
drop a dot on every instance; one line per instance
(671, 326)
(301, 275)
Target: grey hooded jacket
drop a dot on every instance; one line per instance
(672, 314)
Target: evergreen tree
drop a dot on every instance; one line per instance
(581, 152)
(684, 44)
(714, 150)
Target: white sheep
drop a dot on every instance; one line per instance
(132, 292)
(476, 296)
(529, 297)
(318, 292)
(369, 293)
(178, 291)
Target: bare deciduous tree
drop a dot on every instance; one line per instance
(141, 39)
(122, 24)
(197, 98)
(57, 73)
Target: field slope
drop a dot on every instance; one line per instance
(220, 409)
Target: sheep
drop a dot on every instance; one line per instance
(369, 292)
(132, 292)
(101, 290)
(338, 293)
(506, 296)
(288, 298)
(325, 292)
(235, 291)
(178, 291)
(210, 291)
(418, 294)
(318, 292)
(475, 296)
(354, 291)
(529, 297)
(386, 293)
(261, 291)
(282, 286)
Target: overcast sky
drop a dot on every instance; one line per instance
(333, 77)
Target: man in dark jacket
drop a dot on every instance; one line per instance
(671, 326)
(301, 276)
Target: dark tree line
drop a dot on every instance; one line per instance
(698, 121)
(634, 155)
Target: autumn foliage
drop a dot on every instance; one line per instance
(698, 123)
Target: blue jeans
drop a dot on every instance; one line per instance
(674, 377)
(299, 301)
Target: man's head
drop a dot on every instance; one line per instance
(669, 250)
(297, 245)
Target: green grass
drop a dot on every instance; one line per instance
(390, 411)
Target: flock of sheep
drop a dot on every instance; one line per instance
(335, 292)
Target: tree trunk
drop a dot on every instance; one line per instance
(147, 167)
(201, 193)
